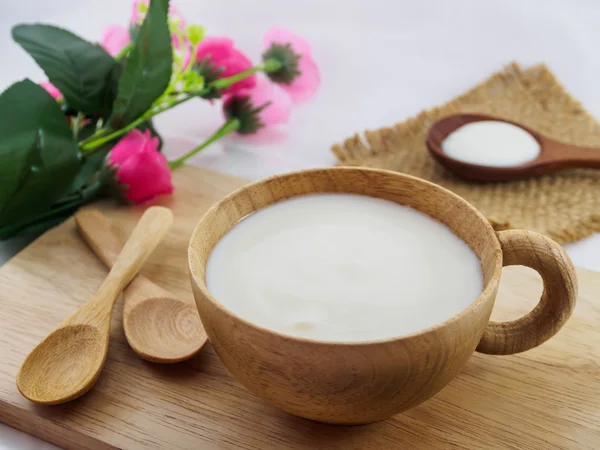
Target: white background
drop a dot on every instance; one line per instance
(381, 62)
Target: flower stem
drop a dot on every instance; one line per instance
(228, 127)
(77, 124)
(124, 51)
(89, 146)
(115, 134)
(270, 65)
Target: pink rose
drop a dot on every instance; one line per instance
(114, 38)
(51, 89)
(140, 167)
(305, 85)
(221, 53)
(268, 105)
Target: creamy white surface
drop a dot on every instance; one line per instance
(491, 143)
(343, 267)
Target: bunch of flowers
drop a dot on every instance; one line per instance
(88, 130)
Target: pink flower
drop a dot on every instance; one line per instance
(136, 15)
(264, 104)
(114, 38)
(140, 167)
(305, 85)
(284, 36)
(51, 89)
(222, 54)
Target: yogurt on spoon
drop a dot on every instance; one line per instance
(491, 143)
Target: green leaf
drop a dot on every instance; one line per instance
(92, 162)
(38, 156)
(147, 71)
(37, 226)
(79, 69)
(90, 167)
(60, 211)
(112, 87)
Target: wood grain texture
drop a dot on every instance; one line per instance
(158, 326)
(67, 363)
(362, 382)
(554, 155)
(543, 399)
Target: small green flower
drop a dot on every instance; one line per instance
(288, 63)
(195, 34)
(193, 81)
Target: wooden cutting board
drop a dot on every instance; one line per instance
(547, 398)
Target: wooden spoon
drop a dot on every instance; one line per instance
(159, 327)
(554, 155)
(68, 362)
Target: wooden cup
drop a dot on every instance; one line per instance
(361, 382)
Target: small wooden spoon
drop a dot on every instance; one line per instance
(68, 362)
(158, 326)
(554, 155)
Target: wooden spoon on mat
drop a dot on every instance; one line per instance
(554, 155)
(68, 362)
(159, 327)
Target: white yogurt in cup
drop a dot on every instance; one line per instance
(343, 267)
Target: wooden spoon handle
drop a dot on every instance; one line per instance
(526, 248)
(568, 155)
(97, 231)
(146, 235)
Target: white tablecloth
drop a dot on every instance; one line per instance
(381, 62)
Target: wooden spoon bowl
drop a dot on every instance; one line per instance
(69, 359)
(554, 155)
(164, 329)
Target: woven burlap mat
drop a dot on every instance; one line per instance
(565, 206)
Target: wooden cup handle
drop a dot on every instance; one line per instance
(526, 248)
